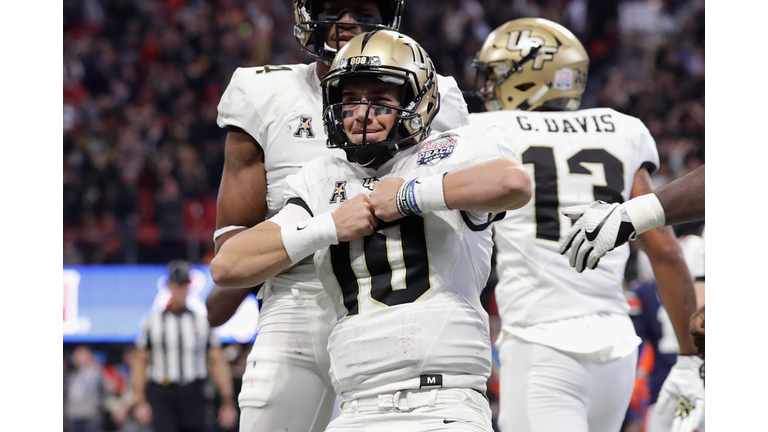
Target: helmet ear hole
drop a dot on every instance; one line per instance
(525, 86)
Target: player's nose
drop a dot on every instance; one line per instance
(348, 24)
(360, 113)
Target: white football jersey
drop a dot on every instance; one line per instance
(693, 251)
(281, 107)
(573, 158)
(407, 297)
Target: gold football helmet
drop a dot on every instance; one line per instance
(314, 22)
(531, 63)
(390, 57)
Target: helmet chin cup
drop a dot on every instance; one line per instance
(329, 48)
(371, 155)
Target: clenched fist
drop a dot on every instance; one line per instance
(354, 219)
(383, 199)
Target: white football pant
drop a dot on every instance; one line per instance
(444, 409)
(546, 390)
(288, 387)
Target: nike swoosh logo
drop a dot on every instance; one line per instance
(591, 236)
(446, 421)
(301, 228)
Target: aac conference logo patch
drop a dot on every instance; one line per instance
(436, 150)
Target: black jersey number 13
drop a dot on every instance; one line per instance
(545, 199)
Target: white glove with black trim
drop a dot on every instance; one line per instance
(600, 228)
(680, 406)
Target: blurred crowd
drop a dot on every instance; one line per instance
(143, 155)
(98, 391)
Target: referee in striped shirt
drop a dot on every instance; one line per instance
(179, 343)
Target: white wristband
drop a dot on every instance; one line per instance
(221, 231)
(307, 237)
(429, 193)
(645, 212)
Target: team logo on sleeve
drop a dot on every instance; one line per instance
(340, 193)
(305, 127)
(368, 182)
(439, 148)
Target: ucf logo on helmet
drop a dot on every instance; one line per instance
(523, 41)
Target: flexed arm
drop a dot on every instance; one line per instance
(492, 186)
(261, 252)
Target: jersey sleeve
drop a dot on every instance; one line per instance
(480, 144)
(294, 210)
(296, 197)
(693, 250)
(236, 108)
(453, 108)
(646, 147)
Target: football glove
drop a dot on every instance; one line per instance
(680, 406)
(598, 228)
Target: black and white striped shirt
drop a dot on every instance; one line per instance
(179, 344)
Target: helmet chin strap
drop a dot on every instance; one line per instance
(372, 155)
(517, 66)
(328, 48)
(534, 98)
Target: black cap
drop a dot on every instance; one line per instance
(178, 271)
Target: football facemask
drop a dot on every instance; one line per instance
(392, 58)
(314, 23)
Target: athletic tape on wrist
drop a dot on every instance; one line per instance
(645, 212)
(430, 194)
(221, 231)
(307, 237)
(421, 195)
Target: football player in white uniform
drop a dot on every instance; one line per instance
(675, 383)
(399, 227)
(273, 115)
(567, 348)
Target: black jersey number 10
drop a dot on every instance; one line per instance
(394, 260)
